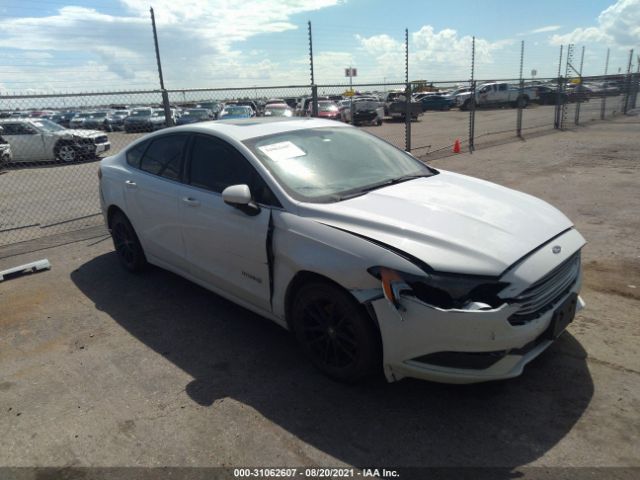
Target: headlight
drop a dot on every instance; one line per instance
(442, 290)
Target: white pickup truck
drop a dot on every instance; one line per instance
(497, 94)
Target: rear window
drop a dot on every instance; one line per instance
(164, 156)
(135, 154)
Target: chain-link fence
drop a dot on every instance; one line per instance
(50, 144)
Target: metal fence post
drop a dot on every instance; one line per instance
(627, 84)
(604, 96)
(314, 87)
(407, 94)
(576, 120)
(520, 94)
(556, 111)
(168, 119)
(314, 101)
(472, 104)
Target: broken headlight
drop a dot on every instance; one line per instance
(442, 290)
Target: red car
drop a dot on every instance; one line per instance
(326, 109)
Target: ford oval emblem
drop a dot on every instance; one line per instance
(556, 249)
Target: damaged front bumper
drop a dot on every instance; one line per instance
(460, 346)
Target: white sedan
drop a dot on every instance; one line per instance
(35, 139)
(373, 259)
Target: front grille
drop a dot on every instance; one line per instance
(546, 292)
(100, 139)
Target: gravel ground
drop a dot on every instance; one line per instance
(102, 368)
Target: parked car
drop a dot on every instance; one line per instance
(5, 151)
(366, 110)
(194, 115)
(435, 102)
(578, 92)
(303, 105)
(236, 111)
(396, 106)
(144, 120)
(245, 103)
(277, 110)
(326, 109)
(98, 121)
(497, 94)
(215, 107)
(34, 140)
(63, 118)
(549, 96)
(373, 259)
(115, 120)
(77, 121)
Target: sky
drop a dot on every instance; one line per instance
(99, 45)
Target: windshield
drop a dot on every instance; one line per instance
(326, 164)
(47, 125)
(121, 112)
(196, 113)
(157, 114)
(141, 113)
(278, 111)
(237, 111)
(327, 107)
(83, 115)
(99, 115)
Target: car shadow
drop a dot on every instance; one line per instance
(231, 352)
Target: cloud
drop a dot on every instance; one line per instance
(432, 54)
(548, 28)
(618, 24)
(120, 47)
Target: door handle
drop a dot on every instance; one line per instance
(130, 184)
(192, 202)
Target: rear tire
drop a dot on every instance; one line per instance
(126, 243)
(335, 332)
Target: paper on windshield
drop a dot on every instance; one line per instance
(282, 151)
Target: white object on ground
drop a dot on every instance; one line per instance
(27, 268)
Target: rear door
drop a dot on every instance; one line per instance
(151, 196)
(226, 248)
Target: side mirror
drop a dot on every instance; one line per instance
(239, 196)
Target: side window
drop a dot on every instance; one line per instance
(18, 129)
(164, 156)
(216, 165)
(135, 154)
(503, 87)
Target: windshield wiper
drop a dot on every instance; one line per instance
(386, 183)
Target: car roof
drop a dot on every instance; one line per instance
(244, 129)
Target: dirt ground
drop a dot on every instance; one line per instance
(102, 368)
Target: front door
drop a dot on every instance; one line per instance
(226, 248)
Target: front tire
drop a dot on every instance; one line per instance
(66, 152)
(126, 243)
(335, 332)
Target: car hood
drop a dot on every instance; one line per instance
(69, 132)
(452, 222)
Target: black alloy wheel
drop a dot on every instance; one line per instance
(126, 243)
(335, 332)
